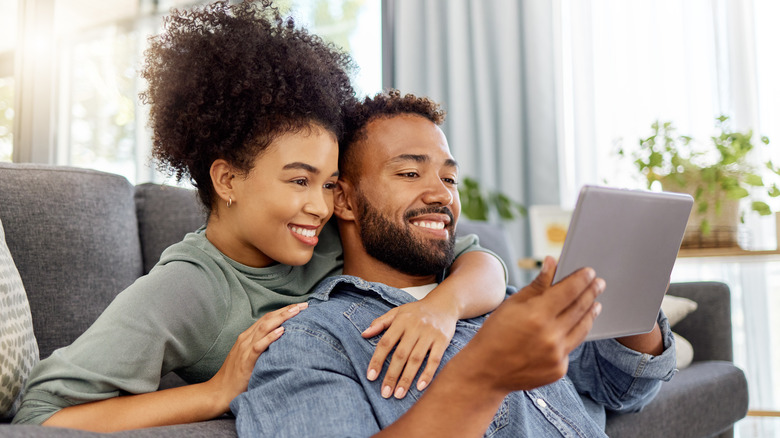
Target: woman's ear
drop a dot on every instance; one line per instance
(222, 175)
(342, 201)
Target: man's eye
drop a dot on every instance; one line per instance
(409, 174)
(450, 181)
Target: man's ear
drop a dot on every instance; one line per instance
(222, 175)
(343, 204)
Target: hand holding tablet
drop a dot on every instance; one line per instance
(631, 239)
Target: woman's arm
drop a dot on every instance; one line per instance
(185, 404)
(476, 285)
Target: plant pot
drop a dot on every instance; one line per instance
(723, 224)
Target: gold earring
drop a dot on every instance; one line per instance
(229, 202)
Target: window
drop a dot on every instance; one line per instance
(7, 44)
(96, 119)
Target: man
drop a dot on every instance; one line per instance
(397, 207)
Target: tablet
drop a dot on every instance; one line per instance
(631, 239)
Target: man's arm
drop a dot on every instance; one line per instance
(524, 344)
(628, 378)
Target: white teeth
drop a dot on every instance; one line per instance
(303, 232)
(431, 225)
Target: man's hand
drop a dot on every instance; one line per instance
(416, 330)
(526, 342)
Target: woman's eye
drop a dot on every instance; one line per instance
(301, 182)
(329, 186)
(450, 181)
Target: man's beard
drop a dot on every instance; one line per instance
(396, 246)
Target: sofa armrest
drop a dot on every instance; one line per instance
(709, 327)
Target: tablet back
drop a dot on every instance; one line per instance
(631, 239)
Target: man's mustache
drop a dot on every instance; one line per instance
(430, 210)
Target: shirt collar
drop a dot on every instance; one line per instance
(394, 296)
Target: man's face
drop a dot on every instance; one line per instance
(406, 198)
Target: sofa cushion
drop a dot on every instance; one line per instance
(74, 237)
(165, 215)
(18, 348)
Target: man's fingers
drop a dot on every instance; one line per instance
(543, 280)
(568, 290)
(583, 304)
(580, 330)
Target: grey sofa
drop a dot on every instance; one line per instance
(78, 237)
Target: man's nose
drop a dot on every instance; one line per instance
(438, 192)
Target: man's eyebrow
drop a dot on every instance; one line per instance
(419, 158)
(307, 167)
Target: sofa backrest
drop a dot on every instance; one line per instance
(165, 214)
(74, 238)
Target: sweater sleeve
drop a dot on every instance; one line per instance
(164, 321)
(470, 242)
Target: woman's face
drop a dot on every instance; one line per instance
(280, 207)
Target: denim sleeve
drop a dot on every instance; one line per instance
(619, 378)
(304, 385)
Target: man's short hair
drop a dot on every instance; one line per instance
(382, 105)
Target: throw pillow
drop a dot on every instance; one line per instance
(18, 347)
(675, 309)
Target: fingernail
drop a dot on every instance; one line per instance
(294, 309)
(279, 330)
(387, 391)
(597, 308)
(421, 385)
(545, 266)
(590, 273)
(601, 285)
(400, 392)
(372, 374)
(303, 305)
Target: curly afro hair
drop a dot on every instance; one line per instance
(225, 80)
(382, 105)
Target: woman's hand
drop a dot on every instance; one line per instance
(415, 330)
(233, 377)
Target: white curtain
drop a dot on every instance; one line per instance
(491, 65)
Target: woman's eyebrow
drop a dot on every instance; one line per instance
(307, 167)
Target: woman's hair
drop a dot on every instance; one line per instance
(226, 80)
(383, 105)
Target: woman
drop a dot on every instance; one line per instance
(249, 109)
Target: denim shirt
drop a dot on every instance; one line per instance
(312, 381)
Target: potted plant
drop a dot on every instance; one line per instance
(477, 204)
(718, 174)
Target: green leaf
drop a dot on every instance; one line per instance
(754, 180)
(761, 208)
(736, 193)
(774, 192)
(705, 227)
